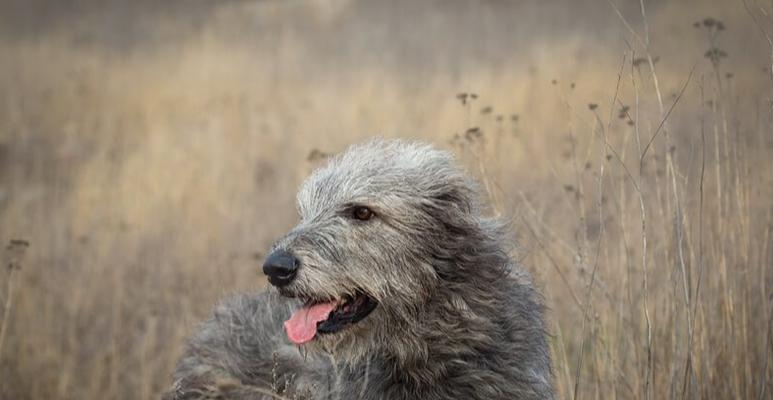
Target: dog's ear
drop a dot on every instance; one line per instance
(460, 195)
(454, 198)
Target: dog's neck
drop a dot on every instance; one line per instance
(447, 351)
(472, 346)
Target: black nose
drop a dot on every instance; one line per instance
(280, 268)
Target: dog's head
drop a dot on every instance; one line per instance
(381, 224)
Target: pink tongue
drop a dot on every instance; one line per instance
(302, 325)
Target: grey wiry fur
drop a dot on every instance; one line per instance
(456, 318)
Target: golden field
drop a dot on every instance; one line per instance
(150, 153)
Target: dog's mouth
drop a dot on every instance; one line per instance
(325, 317)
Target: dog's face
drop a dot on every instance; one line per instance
(374, 223)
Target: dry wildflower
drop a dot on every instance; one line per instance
(623, 113)
(316, 155)
(713, 23)
(18, 242)
(715, 54)
(15, 251)
(473, 133)
(466, 97)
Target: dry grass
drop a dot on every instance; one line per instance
(149, 168)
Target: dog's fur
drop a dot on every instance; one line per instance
(456, 317)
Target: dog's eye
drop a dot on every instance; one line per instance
(362, 213)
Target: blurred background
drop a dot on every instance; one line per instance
(150, 152)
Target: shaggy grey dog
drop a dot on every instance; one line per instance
(392, 286)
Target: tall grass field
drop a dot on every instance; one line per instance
(150, 153)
